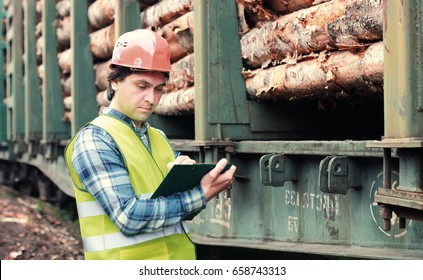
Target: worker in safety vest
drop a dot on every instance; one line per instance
(118, 160)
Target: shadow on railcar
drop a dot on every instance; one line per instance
(206, 252)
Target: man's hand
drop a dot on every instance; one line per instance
(215, 181)
(180, 160)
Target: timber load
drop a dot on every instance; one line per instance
(291, 50)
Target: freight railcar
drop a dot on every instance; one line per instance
(319, 104)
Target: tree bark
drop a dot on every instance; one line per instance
(164, 12)
(67, 103)
(343, 24)
(6, 4)
(148, 2)
(66, 83)
(341, 74)
(180, 35)
(252, 13)
(40, 70)
(102, 70)
(63, 32)
(39, 9)
(176, 103)
(39, 46)
(39, 30)
(281, 7)
(101, 13)
(62, 7)
(102, 99)
(67, 116)
(102, 42)
(64, 60)
(182, 74)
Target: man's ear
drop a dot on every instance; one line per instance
(114, 85)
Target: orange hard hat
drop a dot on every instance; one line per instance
(142, 49)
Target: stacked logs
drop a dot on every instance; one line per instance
(331, 50)
(64, 55)
(291, 50)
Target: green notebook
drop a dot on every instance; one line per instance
(183, 177)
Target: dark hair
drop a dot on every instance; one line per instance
(119, 73)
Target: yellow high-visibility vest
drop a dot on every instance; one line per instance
(102, 239)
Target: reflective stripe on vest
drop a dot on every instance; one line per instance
(92, 208)
(116, 240)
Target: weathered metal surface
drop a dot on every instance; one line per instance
(310, 148)
(397, 143)
(403, 91)
(403, 69)
(337, 174)
(299, 213)
(400, 198)
(84, 101)
(276, 169)
(411, 170)
(127, 16)
(53, 110)
(3, 110)
(298, 217)
(219, 86)
(33, 108)
(15, 92)
(315, 248)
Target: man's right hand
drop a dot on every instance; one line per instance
(215, 181)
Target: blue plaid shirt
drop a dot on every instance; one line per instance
(100, 167)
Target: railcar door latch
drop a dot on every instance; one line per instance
(276, 169)
(337, 174)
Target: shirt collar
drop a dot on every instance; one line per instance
(115, 113)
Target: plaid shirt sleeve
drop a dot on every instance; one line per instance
(99, 165)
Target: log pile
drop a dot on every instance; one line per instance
(330, 50)
(64, 53)
(291, 50)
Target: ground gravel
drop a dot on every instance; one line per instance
(31, 229)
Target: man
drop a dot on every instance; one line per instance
(117, 161)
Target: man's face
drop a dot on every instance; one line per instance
(138, 95)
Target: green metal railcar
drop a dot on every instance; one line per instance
(347, 183)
